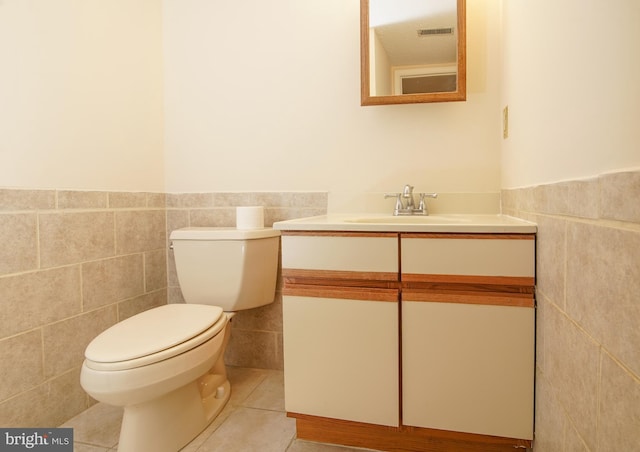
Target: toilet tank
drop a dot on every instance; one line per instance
(235, 269)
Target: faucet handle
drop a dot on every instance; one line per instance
(398, 206)
(422, 207)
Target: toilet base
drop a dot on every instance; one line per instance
(170, 422)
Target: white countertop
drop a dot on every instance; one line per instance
(368, 222)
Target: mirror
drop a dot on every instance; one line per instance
(412, 51)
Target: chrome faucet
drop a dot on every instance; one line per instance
(407, 193)
(408, 207)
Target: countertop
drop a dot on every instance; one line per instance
(371, 222)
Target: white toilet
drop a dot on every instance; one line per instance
(165, 366)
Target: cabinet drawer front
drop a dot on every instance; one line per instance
(468, 256)
(341, 253)
(341, 359)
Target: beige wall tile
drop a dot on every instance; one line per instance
(19, 411)
(155, 270)
(292, 199)
(603, 282)
(619, 195)
(174, 295)
(82, 200)
(18, 235)
(11, 199)
(172, 274)
(46, 405)
(190, 200)
(234, 199)
(248, 348)
(31, 300)
(21, 368)
(551, 199)
(264, 318)
(573, 442)
(572, 360)
(65, 341)
(176, 219)
(220, 217)
(550, 422)
(65, 398)
(136, 305)
(120, 200)
(111, 280)
(542, 305)
(68, 238)
(156, 200)
(273, 214)
(551, 258)
(138, 231)
(619, 417)
(584, 198)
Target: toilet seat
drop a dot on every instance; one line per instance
(154, 335)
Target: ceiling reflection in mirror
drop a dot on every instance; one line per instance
(413, 51)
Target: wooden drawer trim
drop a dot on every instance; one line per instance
(340, 292)
(294, 273)
(399, 439)
(459, 235)
(528, 281)
(492, 299)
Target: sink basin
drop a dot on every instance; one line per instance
(412, 219)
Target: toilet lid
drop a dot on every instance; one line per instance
(154, 331)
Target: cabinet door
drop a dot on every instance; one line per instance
(341, 358)
(468, 367)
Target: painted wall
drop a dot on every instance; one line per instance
(571, 72)
(266, 96)
(81, 95)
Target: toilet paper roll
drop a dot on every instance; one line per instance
(250, 217)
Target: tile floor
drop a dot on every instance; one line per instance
(252, 421)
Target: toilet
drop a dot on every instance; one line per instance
(165, 366)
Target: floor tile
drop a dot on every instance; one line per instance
(249, 429)
(79, 447)
(97, 426)
(308, 446)
(269, 394)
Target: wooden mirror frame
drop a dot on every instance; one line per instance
(459, 95)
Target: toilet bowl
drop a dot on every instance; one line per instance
(160, 366)
(165, 366)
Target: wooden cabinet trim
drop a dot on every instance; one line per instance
(491, 299)
(341, 292)
(399, 439)
(525, 281)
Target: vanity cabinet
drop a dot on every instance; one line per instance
(410, 341)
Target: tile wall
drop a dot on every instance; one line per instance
(256, 337)
(588, 318)
(72, 263)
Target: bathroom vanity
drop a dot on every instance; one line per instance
(410, 334)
